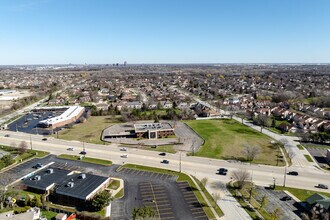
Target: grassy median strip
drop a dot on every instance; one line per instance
(86, 159)
(210, 198)
(181, 177)
(301, 194)
(308, 158)
(300, 147)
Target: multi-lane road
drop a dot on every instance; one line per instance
(261, 174)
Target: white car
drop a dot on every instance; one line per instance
(124, 156)
(70, 149)
(123, 149)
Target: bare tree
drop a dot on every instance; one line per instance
(241, 177)
(22, 147)
(291, 154)
(204, 181)
(264, 201)
(276, 213)
(250, 152)
(284, 141)
(216, 197)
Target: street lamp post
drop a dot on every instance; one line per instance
(274, 179)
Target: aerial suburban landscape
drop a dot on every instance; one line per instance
(132, 126)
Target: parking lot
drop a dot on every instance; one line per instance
(28, 122)
(319, 154)
(194, 205)
(170, 199)
(155, 195)
(158, 176)
(290, 209)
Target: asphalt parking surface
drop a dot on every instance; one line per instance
(161, 191)
(155, 195)
(194, 205)
(319, 154)
(28, 123)
(290, 209)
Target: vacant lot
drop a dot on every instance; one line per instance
(90, 131)
(225, 139)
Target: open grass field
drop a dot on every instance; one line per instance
(90, 131)
(301, 194)
(225, 139)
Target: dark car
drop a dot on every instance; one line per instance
(37, 166)
(293, 173)
(322, 186)
(83, 152)
(162, 154)
(44, 139)
(7, 135)
(223, 171)
(286, 198)
(165, 162)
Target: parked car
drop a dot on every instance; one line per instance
(293, 173)
(7, 135)
(165, 162)
(223, 171)
(124, 156)
(162, 154)
(70, 149)
(322, 186)
(123, 149)
(83, 152)
(37, 166)
(44, 139)
(286, 198)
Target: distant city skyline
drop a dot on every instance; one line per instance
(164, 32)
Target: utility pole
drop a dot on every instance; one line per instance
(30, 141)
(284, 177)
(180, 162)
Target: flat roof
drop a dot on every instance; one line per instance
(71, 112)
(46, 178)
(82, 188)
(152, 126)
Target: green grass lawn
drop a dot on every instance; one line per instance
(225, 138)
(48, 214)
(161, 148)
(86, 159)
(181, 177)
(301, 194)
(90, 131)
(308, 158)
(114, 184)
(300, 147)
(120, 194)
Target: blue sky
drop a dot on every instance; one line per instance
(164, 31)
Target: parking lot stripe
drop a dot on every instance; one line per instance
(170, 217)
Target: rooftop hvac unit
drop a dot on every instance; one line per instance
(70, 184)
(37, 177)
(50, 171)
(82, 176)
